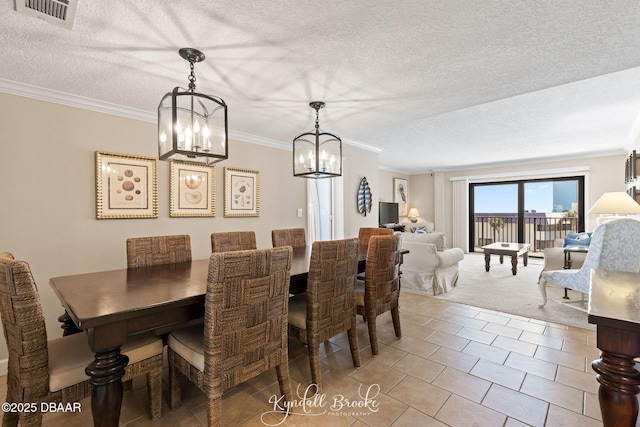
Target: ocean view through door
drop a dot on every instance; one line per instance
(537, 212)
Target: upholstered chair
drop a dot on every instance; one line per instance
(233, 241)
(379, 292)
(157, 250)
(615, 245)
(328, 307)
(40, 370)
(245, 327)
(294, 237)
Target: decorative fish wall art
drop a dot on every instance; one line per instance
(364, 197)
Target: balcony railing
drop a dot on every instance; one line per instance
(539, 231)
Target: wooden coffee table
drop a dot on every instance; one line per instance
(511, 249)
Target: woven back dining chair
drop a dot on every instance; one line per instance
(294, 237)
(364, 235)
(328, 308)
(379, 292)
(245, 327)
(40, 370)
(233, 241)
(157, 250)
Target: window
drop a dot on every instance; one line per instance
(530, 211)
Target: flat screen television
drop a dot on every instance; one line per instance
(388, 213)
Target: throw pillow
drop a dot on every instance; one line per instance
(419, 230)
(576, 239)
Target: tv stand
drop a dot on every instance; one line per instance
(394, 227)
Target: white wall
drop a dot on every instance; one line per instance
(359, 163)
(422, 195)
(47, 182)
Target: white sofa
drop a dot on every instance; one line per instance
(429, 267)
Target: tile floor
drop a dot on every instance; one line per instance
(455, 366)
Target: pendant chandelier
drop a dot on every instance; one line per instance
(192, 127)
(317, 154)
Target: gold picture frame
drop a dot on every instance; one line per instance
(126, 186)
(192, 191)
(241, 192)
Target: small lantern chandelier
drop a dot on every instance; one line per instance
(317, 154)
(192, 127)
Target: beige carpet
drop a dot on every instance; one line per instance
(500, 290)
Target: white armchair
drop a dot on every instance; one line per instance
(429, 268)
(554, 259)
(615, 245)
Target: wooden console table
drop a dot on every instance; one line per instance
(614, 307)
(396, 227)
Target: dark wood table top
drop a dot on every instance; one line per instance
(614, 299)
(105, 297)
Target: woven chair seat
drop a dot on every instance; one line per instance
(188, 344)
(70, 355)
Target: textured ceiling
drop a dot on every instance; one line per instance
(436, 85)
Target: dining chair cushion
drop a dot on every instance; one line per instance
(70, 355)
(188, 344)
(68, 358)
(298, 310)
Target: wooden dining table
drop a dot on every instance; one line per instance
(614, 307)
(110, 306)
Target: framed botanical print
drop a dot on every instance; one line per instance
(401, 195)
(126, 186)
(241, 192)
(192, 190)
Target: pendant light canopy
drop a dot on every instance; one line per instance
(192, 127)
(317, 154)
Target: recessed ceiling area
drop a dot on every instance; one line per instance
(433, 85)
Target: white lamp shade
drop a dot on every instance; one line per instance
(615, 203)
(413, 212)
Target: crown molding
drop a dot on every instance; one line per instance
(362, 145)
(50, 95)
(71, 100)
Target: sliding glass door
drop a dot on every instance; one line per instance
(537, 212)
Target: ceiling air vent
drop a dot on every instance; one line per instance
(59, 12)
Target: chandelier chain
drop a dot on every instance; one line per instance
(192, 77)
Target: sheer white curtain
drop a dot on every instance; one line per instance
(325, 213)
(461, 214)
(313, 212)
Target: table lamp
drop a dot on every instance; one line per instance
(413, 215)
(611, 205)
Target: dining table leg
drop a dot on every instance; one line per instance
(106, 373)
(619, 380)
